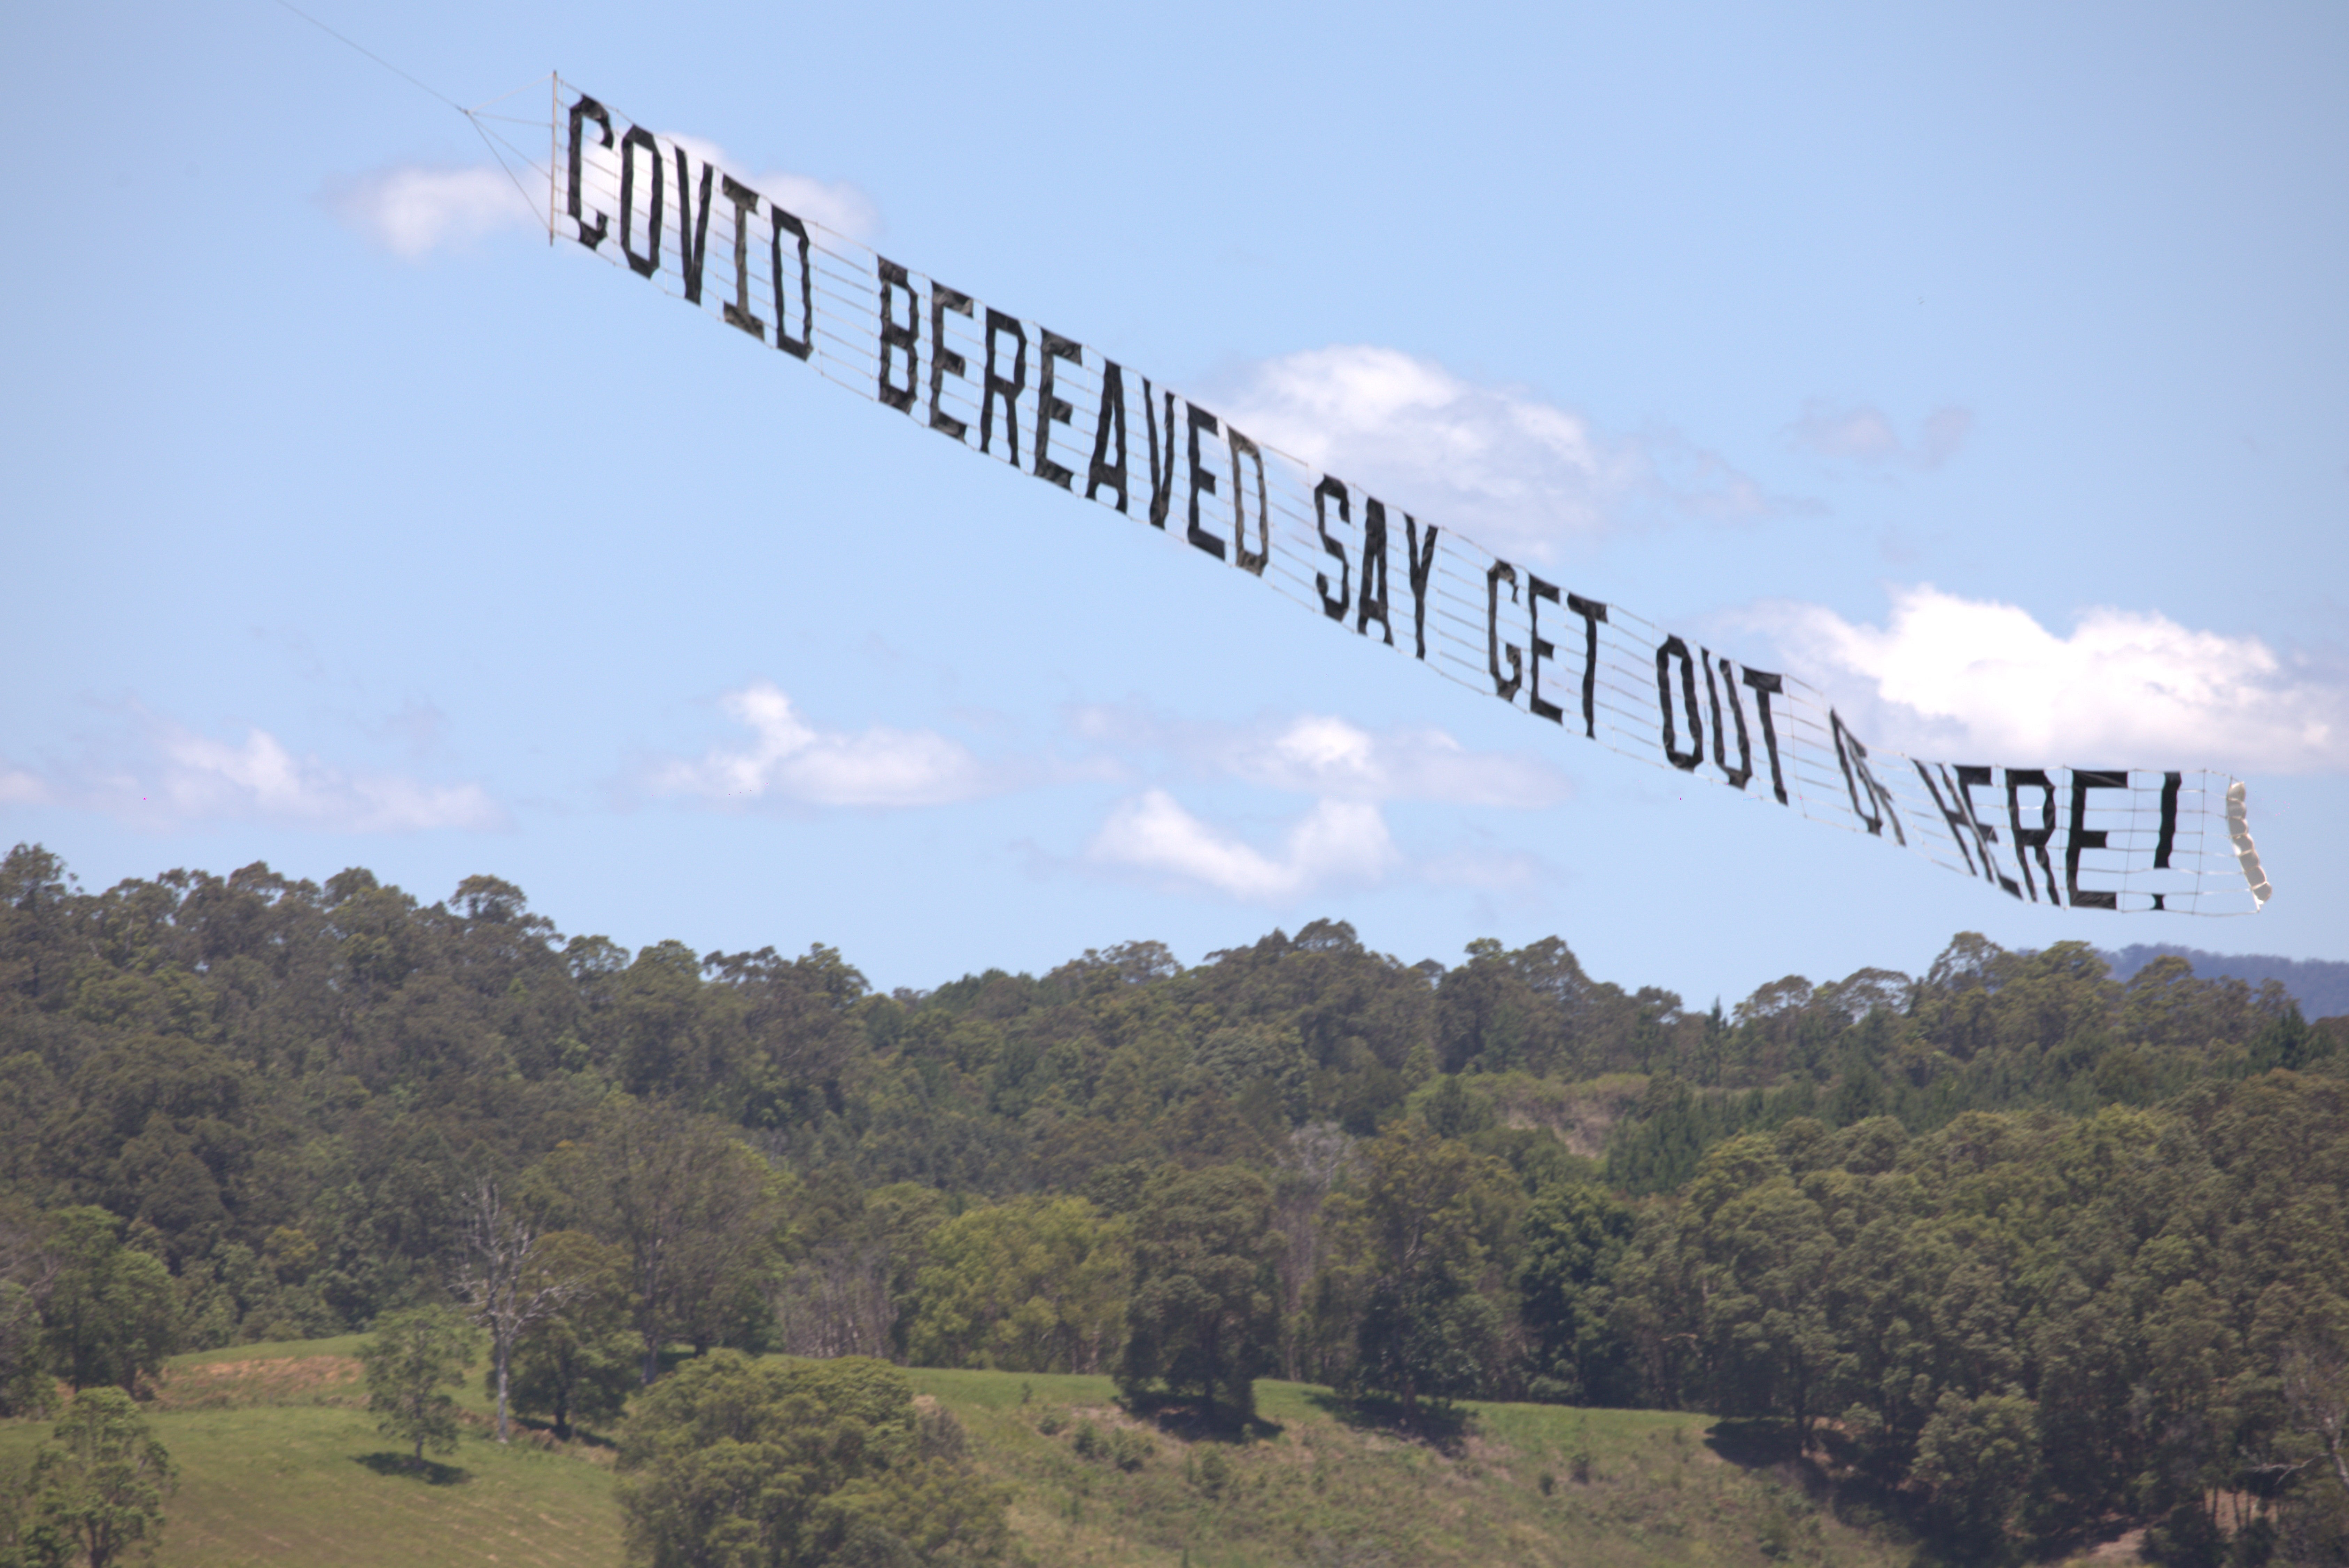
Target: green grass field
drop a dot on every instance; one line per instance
(1624, 1486)
(280, 1465)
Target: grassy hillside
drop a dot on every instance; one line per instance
(1528, 1484)
(280, 1465)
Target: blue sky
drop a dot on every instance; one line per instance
(351, 523)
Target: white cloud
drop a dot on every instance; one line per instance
(201, 777)
(1865, 434)
(1971, 677)
(163, 775)
(1333, 759)
(1343, 838)
(1323, 756)
(839, 206)
(1336, 841)
(790, 759)
(1518, 474)
(412, 210)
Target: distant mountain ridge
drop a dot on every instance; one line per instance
(2321, 986)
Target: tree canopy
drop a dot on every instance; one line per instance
(97, 1487)
(733, 1463)
(416, 1356)
(2020, 1243)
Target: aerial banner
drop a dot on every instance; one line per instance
(1010, 389)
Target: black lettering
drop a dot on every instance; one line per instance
(2084, 837)
(1952, 814)
(798, 347)
(997, 387)
(643, 266)
(1970, 779)
(1853, 757)
(1421, 564)
(1112, 414)
(1673, 648)
(1322, 494)
(1162, 476)
(899, 337)
(738, 309)
(1535, 592)
(944, 361)
(1764, 685)
(1592, 612)
(1050, 407)
(1372, 603)
(1249, 561)
(1201, 479)
(1955, 815)
(587, 109)
(692, 234)
(1505, 688)
(1873, 821)
(2168, 840)
(1743, 771)
(2027, 839)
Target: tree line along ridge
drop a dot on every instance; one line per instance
(2013, 1250)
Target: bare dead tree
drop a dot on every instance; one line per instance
(1306, 1167)
(502, 1282)
(837, 1302)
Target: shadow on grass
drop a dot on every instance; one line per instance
(1197, 1424)
(548, 1432)
(1760, 1442)
(1829, 1475)
(1439, 1423)
(406, 1467)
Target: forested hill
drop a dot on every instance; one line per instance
(2321, 986)
(2024, 1249)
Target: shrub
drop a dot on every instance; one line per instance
(1128, 1450)
(819, 1465)
(413, 1356)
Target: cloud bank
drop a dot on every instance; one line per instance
(1518, 474)
(1976, 679)
(789, 760)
